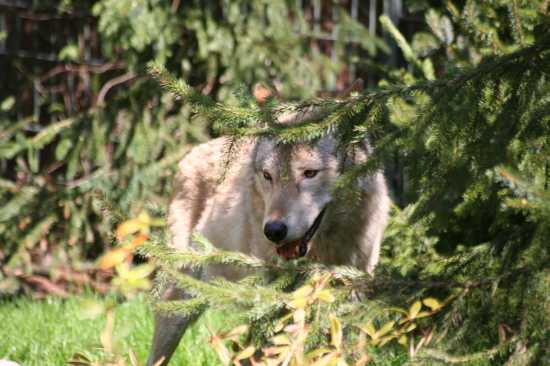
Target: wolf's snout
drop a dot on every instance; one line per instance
(275, 230)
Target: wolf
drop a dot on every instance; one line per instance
(274, 200)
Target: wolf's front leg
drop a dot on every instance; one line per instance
(169, 329)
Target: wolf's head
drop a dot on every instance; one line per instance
(296, 183)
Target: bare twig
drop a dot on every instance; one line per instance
(45, 284)
(112, 83)
(79, 68)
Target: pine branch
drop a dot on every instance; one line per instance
(202, 254)
(433, 354)
(41, 139)
(425, 68)
(184, 308)
(234, 116)
(241, 121)
(220, 293)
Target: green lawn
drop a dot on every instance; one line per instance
(49, 332)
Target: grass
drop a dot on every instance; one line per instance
(51, 331)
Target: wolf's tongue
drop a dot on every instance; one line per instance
(291, 250)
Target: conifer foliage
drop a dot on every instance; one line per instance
(78, 165)
(465, 272)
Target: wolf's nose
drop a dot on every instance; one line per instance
(275, 230)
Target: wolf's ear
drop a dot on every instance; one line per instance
(356, 154)
(356, 87)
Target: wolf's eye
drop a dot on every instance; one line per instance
(310, 173)
(267, 176)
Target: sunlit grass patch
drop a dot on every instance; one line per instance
(51, 331)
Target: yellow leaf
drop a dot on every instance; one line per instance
(141, 271)
(326, 296)
(317, 353)
(122, 269)
(113, 258)
(326, 360)
(432, 303)
(133, 358)
(399, 310)
(236, 332)
(385, 340)
(369, 329)
(245, 353)
(410, 327)
(128, 227)
(221, 350)
(341, 362)
(157, 222)
(316, 277)
(106, 337)
(137, 241)
(278, 327)
(415, 308)
(299, 316)
(281, 323)
(270, 351)
(335, 331)
(423, 314)
(144, 218)
(385, 328)
(299, 303)
(303, 291)
(403, 340)
(281, 339)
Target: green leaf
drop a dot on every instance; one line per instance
(33, 156)
(62, 149)
(69, 53)
(7, 104)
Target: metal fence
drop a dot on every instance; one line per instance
(31, 40)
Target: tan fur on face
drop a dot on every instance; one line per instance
(291, 197)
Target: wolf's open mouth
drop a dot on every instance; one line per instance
(298, 248)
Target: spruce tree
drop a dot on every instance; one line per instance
(465, 270)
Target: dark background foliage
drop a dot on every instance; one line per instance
(86, 133)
